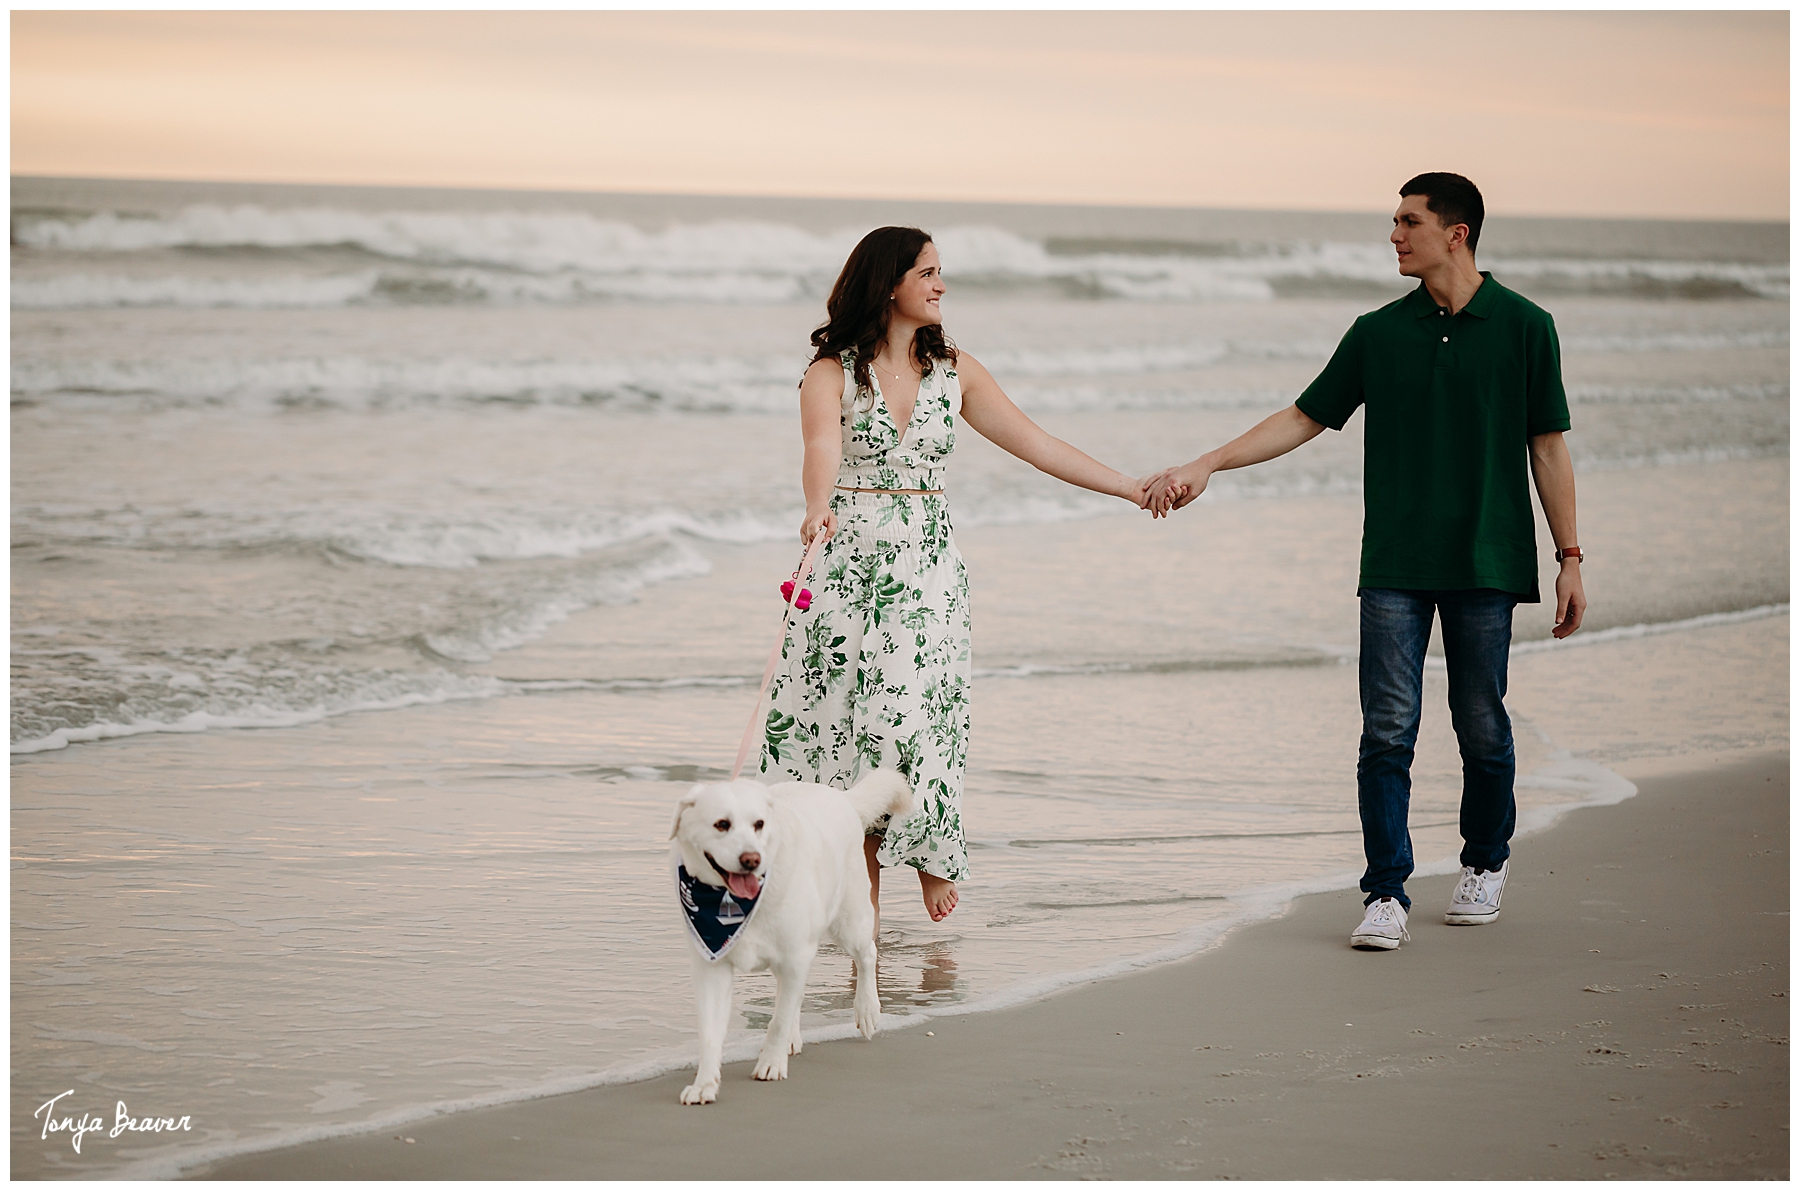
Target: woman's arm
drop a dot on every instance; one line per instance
(821, 427)
(993, 415)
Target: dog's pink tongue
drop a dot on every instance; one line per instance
(744, 885)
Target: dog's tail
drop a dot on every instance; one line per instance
(882, 792)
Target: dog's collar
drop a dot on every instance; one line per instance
(714, 917)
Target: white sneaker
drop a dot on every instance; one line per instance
(1383, 926)
(1477, 897)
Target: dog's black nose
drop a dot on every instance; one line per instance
(751, 861)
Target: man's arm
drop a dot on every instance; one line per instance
(1555, 476)
(1275, 435)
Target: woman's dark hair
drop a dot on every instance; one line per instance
(1453, 199)
(860, 305)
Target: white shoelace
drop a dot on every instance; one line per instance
(1382, 913)
(1468, 890)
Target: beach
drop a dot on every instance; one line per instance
(386, 563)
(1691, 745)
(1627, 1018)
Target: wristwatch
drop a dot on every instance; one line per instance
(1573, 552)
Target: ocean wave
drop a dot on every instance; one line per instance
(395, 537)
(1681, 457)
(66, 694)
(479, 534)
(1296, 656)
(478, 639)
(1106, 361)
(391, 287)
(473, 538)
(533, 242)
(763, 383)
(518, 257)
(1171, 376)
(187, 704)
(82, 694)
(1633, 632)
(1614, 394)
(1646, 278)
(1278, 659)
(1674, 341)
(87, 291)
(688, 383)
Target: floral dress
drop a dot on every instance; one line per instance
(876, 672)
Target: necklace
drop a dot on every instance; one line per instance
(877, 360)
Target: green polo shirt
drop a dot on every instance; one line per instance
(1452, 401)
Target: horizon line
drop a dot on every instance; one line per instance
(828, 198)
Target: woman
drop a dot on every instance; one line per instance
(876, 672)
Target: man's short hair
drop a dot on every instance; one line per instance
(1453, 199)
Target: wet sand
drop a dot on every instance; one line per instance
(1627, 1017)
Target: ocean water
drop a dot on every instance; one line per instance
(386, 562)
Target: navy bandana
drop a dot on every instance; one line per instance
(713, 914)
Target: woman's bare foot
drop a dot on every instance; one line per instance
(940, 895)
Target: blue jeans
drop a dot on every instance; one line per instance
(1396, 627)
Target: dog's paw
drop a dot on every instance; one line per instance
(797, 1045)
(868, 1016)
(696, 1093)
(770, 1066)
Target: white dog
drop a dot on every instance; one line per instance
(794, 851)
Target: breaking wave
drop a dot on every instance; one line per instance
(259, 257)
(1172, 376)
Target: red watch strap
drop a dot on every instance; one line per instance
(1573, 552)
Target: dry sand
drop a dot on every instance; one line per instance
(1627, 1017)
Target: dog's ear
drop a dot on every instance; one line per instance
(682, 807)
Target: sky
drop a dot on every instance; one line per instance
(1673, 114)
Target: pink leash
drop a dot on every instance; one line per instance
(787, 612)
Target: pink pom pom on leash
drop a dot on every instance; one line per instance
(790, 603)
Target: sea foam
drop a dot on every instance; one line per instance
(411, 257)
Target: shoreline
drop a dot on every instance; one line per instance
(1253, 906)
(1055, 1087)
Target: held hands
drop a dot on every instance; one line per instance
(1174, 487)
(1275, 435)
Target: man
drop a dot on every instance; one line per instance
(1462, 382)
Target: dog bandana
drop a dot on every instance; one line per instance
(713, 915)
